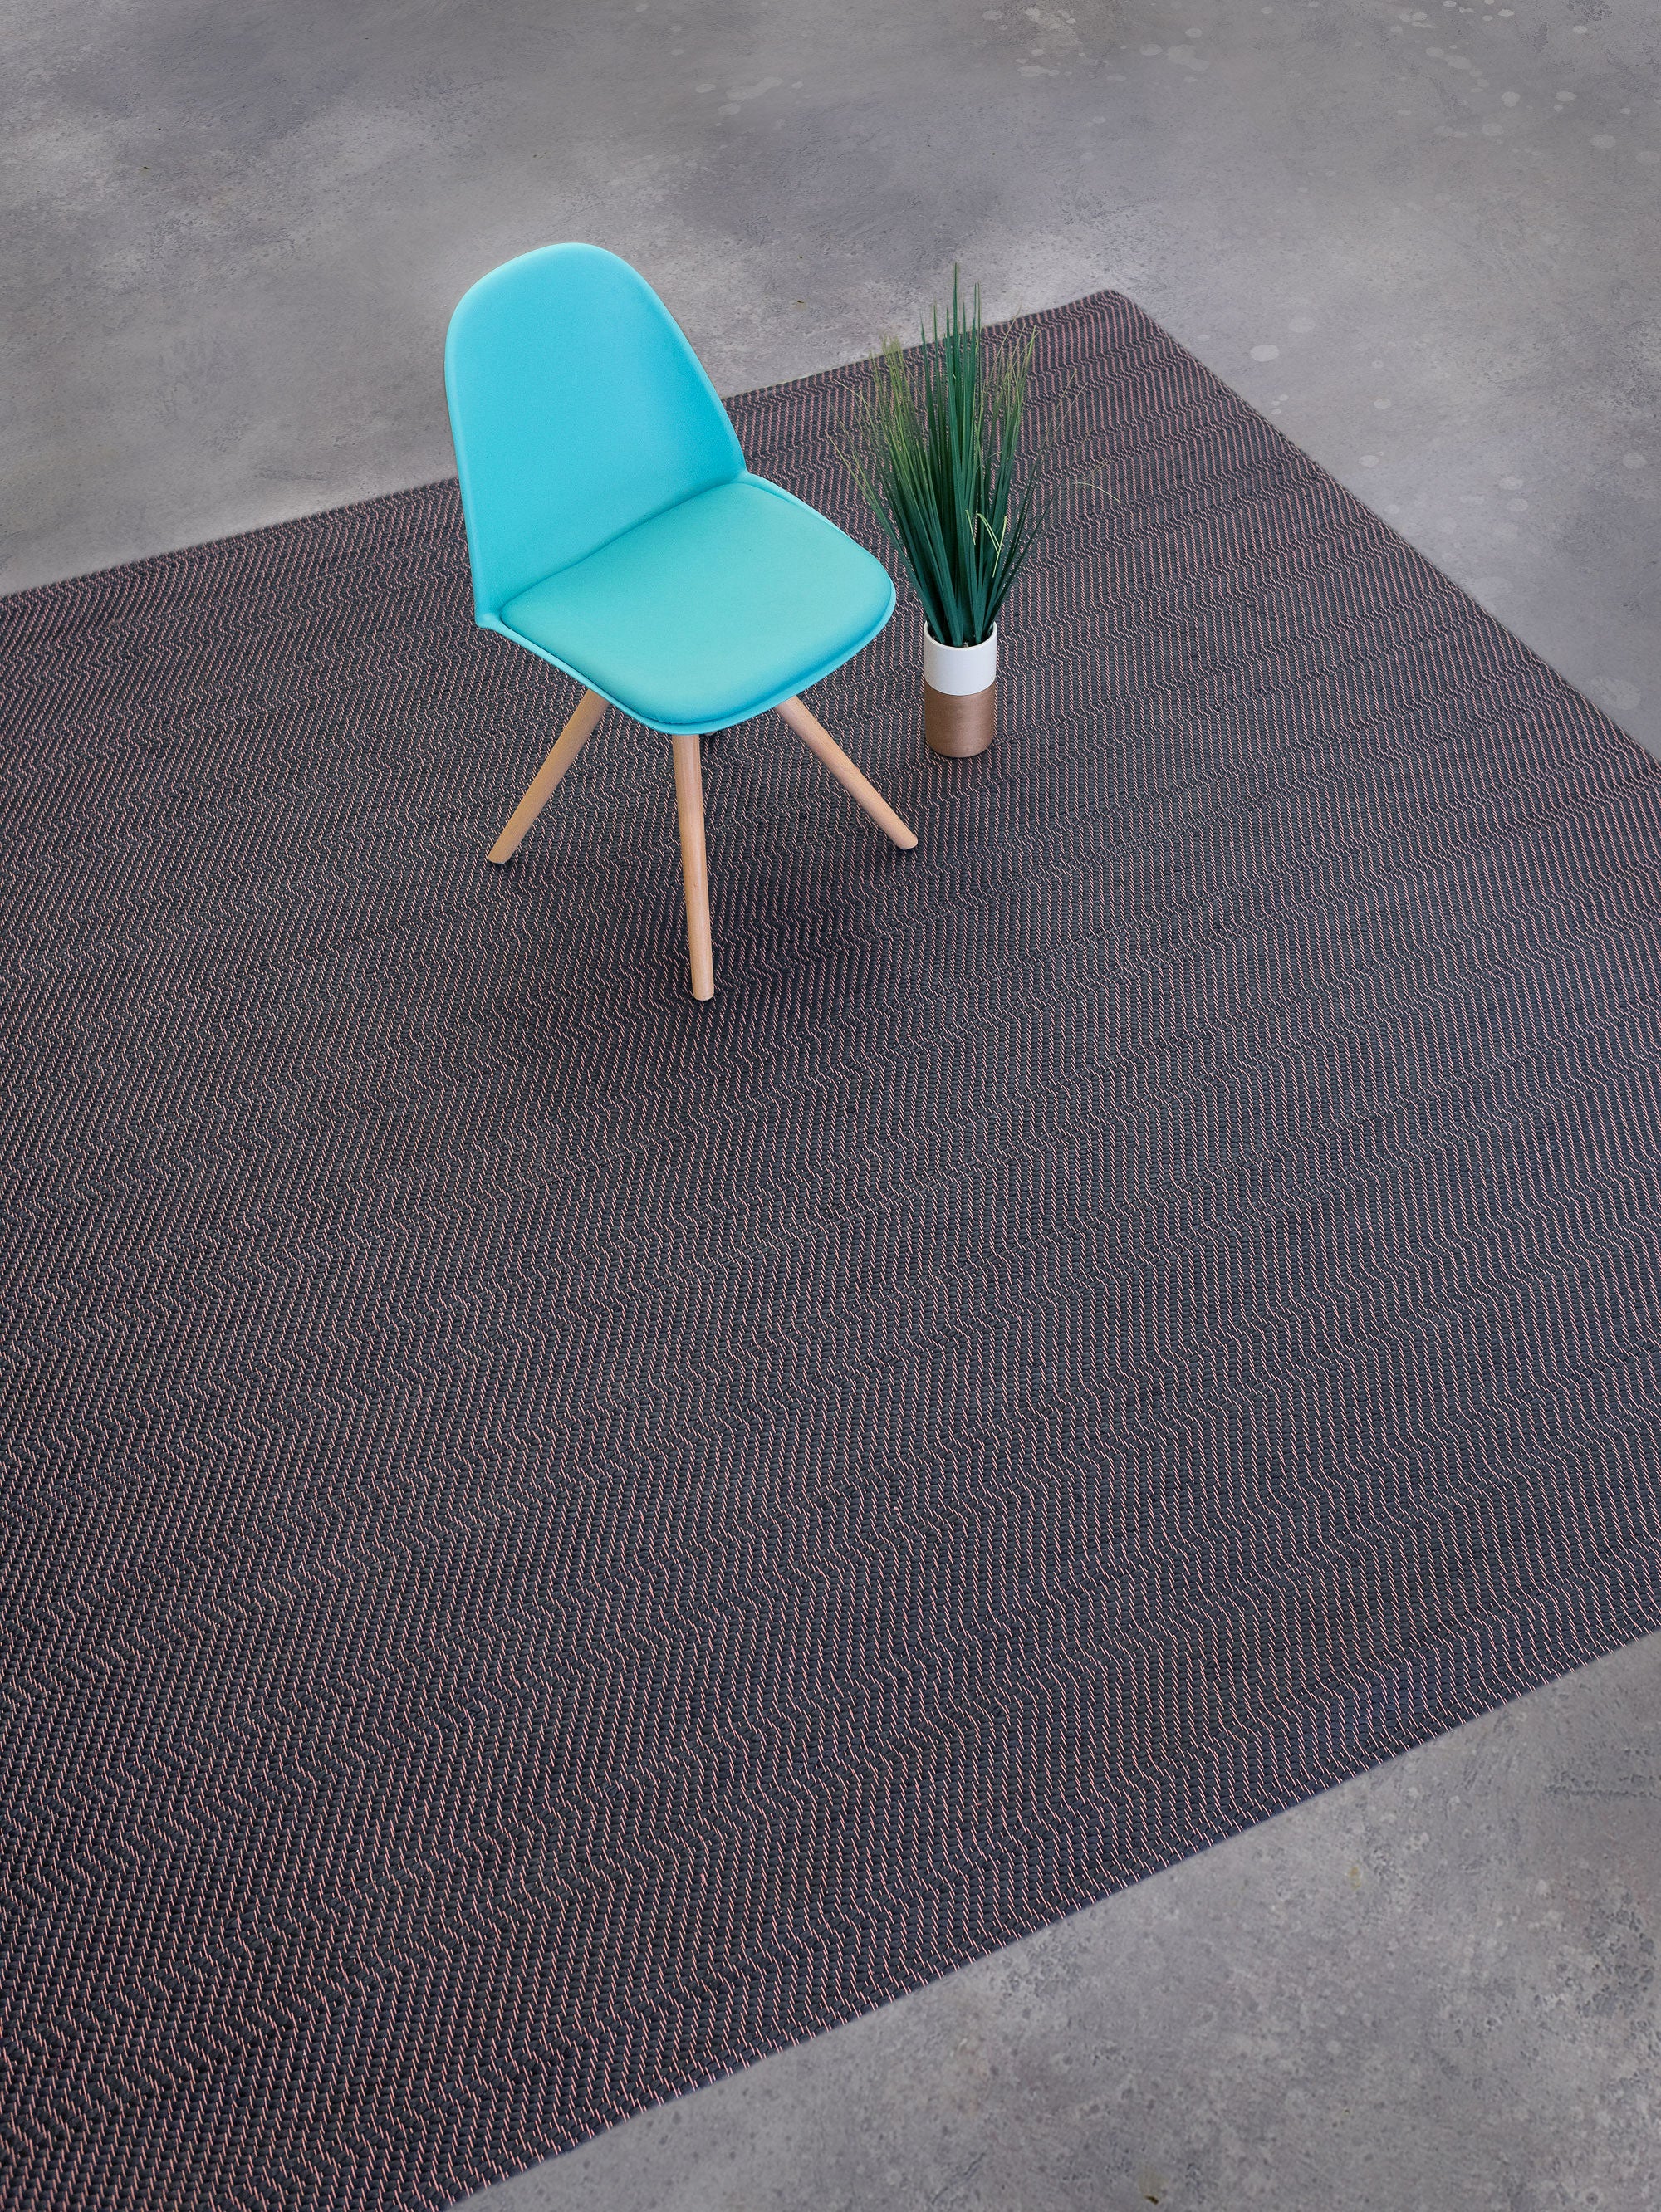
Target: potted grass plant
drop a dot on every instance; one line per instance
(934, 447)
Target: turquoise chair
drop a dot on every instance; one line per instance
(614, 530)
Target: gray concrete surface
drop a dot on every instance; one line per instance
(1427, 240)
(1433, 1990)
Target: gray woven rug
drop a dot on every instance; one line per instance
(556, 1538)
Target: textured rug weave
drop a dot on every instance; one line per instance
(555, 1539)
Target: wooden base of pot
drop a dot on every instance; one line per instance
(958, 726)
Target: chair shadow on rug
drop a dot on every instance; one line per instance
(614, 530)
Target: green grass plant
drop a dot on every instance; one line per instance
(934, 447)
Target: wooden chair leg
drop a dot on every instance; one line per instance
(694, 863)
(818, 740)
(571, 742)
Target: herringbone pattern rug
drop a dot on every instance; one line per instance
(556, 1538)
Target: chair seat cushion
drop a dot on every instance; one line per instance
(711, 612)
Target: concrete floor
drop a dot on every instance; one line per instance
(1426, 242)
(1433, 1990)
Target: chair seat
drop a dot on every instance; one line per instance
(711, 612)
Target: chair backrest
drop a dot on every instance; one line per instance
(578, 409)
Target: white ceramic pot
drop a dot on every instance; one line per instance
(959, 694)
